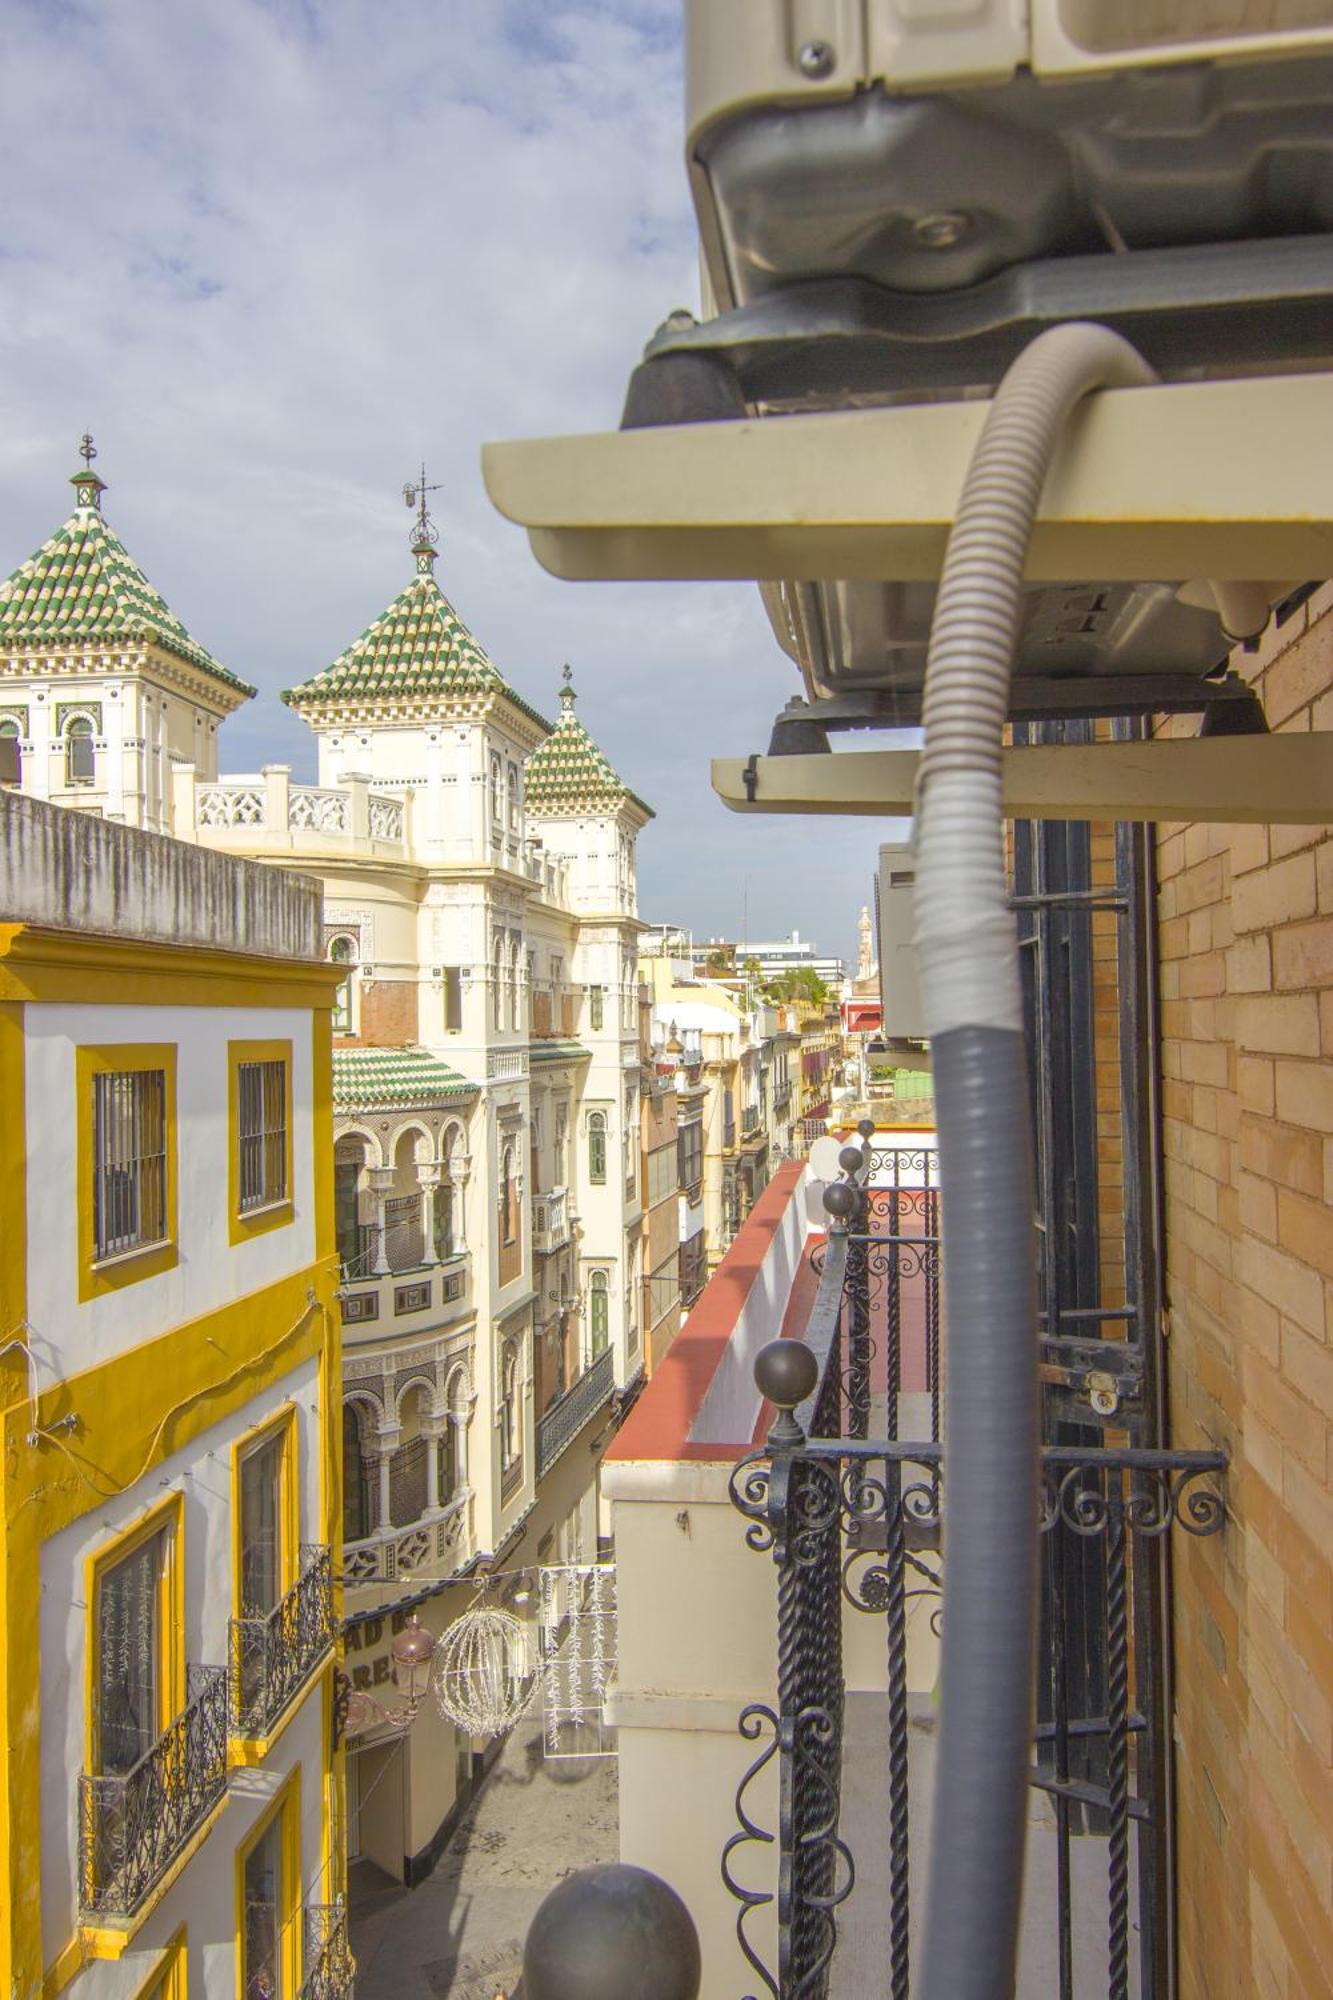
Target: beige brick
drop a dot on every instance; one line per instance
(1308, 1365)
(1299, 676)
(1255, 1085)
(1250, 965)
(1284, 840)
(1303, 954)
(1205, 975)
(1323, 865)
(1283, 1154)
(1249, 848)
(1303, 1095)
(1303, 1430)
(1196, 887)
(1305, 1228)
(1288, 1284)
(1282, 893)
(1258, 1206)
(1278, 1024)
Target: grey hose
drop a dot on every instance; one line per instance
(970, 992)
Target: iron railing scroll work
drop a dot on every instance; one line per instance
(853, 1519)
(133, 1826)
(330, 1966)
(273, 1657)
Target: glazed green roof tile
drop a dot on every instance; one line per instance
(84, 588)
(540, 1052)
(365, 1079)
(417, 648)
(568, 773)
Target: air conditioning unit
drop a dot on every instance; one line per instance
(895, 197)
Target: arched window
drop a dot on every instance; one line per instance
(599, 1314)
(497, 997)
(408, 1495)
(355, 1248)
(508, 1198)
(79, 764)
(497, 801)
(511, 1433)
(358, 1498)
(513, 798)
(342, 951)
(513, 984)
(597, 1147)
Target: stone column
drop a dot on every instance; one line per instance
(380, 1181)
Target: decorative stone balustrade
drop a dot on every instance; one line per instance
(270, 807)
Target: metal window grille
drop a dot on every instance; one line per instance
(129, 1161)
(262, 1093)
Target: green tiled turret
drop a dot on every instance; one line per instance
(568, 774)
(418, 649)
(83, 588)
(366, 1079)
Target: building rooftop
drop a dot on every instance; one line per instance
(418, 650)
(82, 587)
(364, 1079)
(72, 871)
(569, 774)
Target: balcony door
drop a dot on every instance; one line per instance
(263, 1556)
(130, 1682)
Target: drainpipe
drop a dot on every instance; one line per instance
(972, 1007)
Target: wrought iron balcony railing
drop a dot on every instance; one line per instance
(566, 1418)
(853, 1521)
(330, 1966)
(133, 1826)
(273, 1657)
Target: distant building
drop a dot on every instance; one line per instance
(791, 954)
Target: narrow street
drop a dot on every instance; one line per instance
(461, 1932)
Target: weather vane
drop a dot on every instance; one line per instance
(88, 450)
(414, 495)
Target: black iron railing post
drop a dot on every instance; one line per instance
(803, 1517)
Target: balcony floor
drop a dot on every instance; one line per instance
(859, 1963)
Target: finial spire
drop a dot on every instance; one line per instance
(88, 488)
(567, 694)
(425, 534)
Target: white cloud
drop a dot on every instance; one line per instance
(273, 254)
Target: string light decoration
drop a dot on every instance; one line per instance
(484, 1672)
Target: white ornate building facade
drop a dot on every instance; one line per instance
(478, 870)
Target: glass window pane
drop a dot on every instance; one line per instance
(261, 1529)
(129, 1665)
(263, 1969)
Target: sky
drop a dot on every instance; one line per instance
(275, 253)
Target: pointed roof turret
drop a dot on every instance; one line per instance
(568, 774)
(83, 588)
(417, 652)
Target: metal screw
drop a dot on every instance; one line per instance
(816, 59)
(941, 231)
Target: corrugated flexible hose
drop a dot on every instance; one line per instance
(970, 989)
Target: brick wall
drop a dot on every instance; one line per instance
(1246, 929)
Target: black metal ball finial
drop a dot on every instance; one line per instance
(867, 1128)
(839, 1200)
(610, 1933)
(785, 1372)
(851, 1159)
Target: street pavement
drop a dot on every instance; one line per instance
(460, 1933)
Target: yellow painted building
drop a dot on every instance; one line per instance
(171, 1818)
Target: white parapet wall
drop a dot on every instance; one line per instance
(698, 1607)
